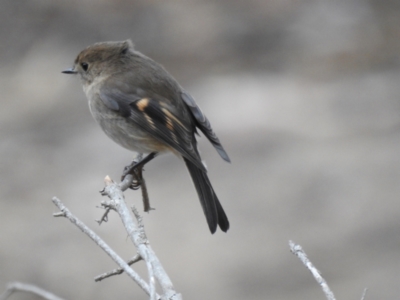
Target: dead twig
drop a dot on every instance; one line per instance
(27, 288)
(137, 234)
(118, 271)
(298, 251)
(64, 212)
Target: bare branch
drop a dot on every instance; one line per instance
(125, 184)
(64, 211)
(104, 217)
(152, 280)
(28, 288)
(136, 232)
(364, 294)
(298, 251)
(118, 271)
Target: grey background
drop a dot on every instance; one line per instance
(304, 96)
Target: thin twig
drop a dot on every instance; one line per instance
(104, 217)
(364, 294)
(125, 184)
(152, 280)
(118, 271)
(298, 251)
(64, 211)
(28, 288)
(115, 193)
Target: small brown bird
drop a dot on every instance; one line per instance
(140, 106)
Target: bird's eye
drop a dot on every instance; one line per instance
(84, 66)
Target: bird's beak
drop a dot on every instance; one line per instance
(69, 71)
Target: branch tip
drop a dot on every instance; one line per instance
(59, 214)
(108, 180)
(364, 294)
(299, 252)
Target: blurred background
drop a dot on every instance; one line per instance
(304, 95)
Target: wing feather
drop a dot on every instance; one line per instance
(157, 118)
(204, 125)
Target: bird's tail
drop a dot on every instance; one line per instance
(212, 208)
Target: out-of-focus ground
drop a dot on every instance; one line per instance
(304, 95)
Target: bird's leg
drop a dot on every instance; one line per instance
(145, 195)
(136, 169)
(137, 163)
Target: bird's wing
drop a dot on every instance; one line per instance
(204, 125)
(155, 116)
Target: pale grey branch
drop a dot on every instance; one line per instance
(64, 211)
(118, 271)
(136, 232)
(298, 251)
(28, 288)
(364, 294)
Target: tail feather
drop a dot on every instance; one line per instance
(223, 221)
(212, 208)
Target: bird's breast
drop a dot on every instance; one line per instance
(123, 130)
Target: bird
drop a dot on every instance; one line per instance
(141, 107)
